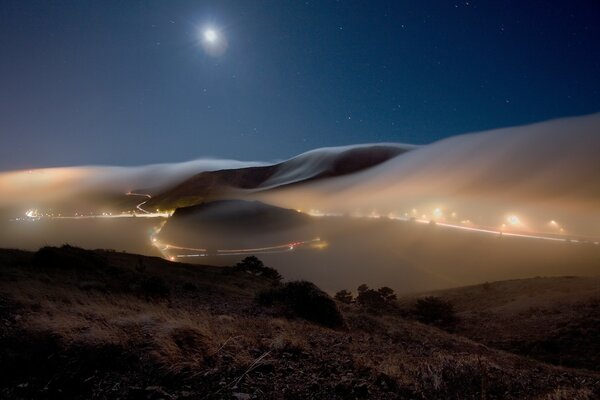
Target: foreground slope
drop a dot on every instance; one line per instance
(556, 320)
(101, 324)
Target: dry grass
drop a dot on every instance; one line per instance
(215, 340)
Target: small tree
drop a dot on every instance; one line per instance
(251, 263)
(254, 266)
(344, 296)
(380, 298)
(387, 294)
(370, 298)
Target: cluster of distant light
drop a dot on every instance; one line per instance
(512, 224)
(35, 215)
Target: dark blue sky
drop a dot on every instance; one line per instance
(128, 82)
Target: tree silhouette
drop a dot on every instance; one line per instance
(344, 296)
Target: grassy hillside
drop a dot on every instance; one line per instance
(97, 324)
(556, 320)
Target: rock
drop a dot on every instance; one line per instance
(241, 396)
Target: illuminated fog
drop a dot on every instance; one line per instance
(501, 204)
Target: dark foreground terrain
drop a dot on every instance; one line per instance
(100, 324)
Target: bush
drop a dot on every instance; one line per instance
(68, 257)
(254, 266)
(304, 300)
(343, 296)
(387, 294)
(383, 297)
(435, 311)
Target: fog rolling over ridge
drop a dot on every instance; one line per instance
(540, 172)
(513, 202)
(27, 188)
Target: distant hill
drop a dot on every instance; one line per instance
(315, 165)
(238, 215)
(233, 224)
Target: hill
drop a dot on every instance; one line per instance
(556, 320)
(97, 324)
(233, 224)
(315, 165)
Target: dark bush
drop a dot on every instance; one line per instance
(382, 298)
(305, 300)
(370, 298)
(254, 266)
(435, 311)
(154, 286)
(343, 296)
(387, 294)
(68, 257)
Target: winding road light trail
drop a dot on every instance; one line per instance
(139, 206)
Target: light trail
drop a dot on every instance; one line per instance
(500, 233)
(281, 248)
(139, 206)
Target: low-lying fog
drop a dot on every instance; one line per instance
(538, 180)
(405, 255)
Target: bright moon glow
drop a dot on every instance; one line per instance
(213, 41)
(210, 35)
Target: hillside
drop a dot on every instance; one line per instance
(556, 320)
(97, 324)
(311, 166)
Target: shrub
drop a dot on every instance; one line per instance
(387, 294)
(371, 298)
(435, 311)
(343, 296)
(254, 266)
(304, 300)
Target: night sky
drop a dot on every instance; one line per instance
(131, 82)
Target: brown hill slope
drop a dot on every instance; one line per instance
(556, 320)
(82, 324)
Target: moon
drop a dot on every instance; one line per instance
(213, 41)
(210, 35)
